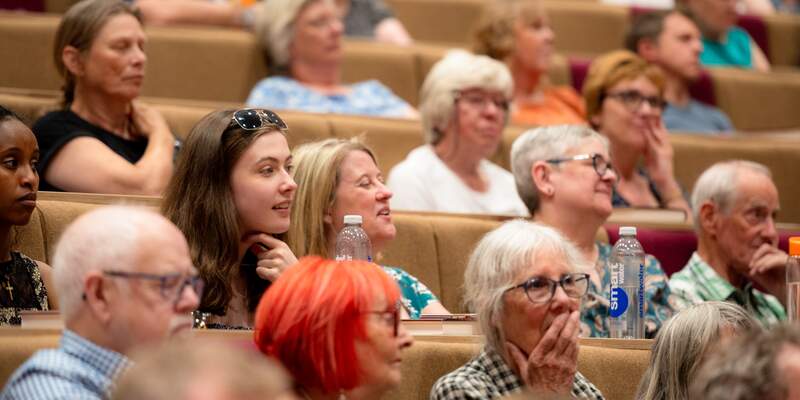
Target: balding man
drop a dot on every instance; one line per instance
(734, 204)
(125, 278)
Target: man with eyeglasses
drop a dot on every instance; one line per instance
(734, 205)
(125, 278)
(671, 40)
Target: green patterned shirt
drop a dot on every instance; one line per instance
(698, 282)
(415, 295)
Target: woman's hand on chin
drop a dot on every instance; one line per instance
(274, 256)
(551, 366)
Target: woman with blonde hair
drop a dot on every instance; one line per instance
(518, 33)
(624, 101)
(682, 343)
(337, 177)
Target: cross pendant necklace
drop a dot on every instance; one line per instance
(9, 289)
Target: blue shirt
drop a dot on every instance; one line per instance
(733, 51)
(77, 369)
(368, 98)
(696, 117)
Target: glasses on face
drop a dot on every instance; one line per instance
(171, 286)
(251, 119)
(633, 100)
(481, 100)
(599, 163)
(541, 290)
(390, 317)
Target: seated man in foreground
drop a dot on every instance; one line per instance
(122, 275)
(734, 204)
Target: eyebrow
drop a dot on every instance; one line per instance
(273, 159)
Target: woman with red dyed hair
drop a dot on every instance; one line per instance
(335, 325)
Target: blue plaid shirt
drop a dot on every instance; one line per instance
(77, 369)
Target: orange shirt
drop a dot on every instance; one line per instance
(558, 105)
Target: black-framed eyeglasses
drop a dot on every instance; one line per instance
(171, 286)
(390, 317)
(541, 290)
(633, 99)
(251, 119)
(599, 163)
(481, 99)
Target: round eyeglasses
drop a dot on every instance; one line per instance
(541, 290)
(171, 285)
(599, 163)
(633, 100)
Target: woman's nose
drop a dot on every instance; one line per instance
(404, 339)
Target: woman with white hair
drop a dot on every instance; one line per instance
(303, 41)
(464, 107)
(564, 176)
(682, 344)
(524, 281)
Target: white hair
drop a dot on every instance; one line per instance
(542, 144)
(719, 185)
(458, 70)
(498, 259)
(104, 238)
(274, 28)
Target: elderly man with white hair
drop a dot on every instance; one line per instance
(464, 108)
(734, 204)
(525, 283)
(124, 278)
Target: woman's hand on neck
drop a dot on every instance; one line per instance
(111, 114)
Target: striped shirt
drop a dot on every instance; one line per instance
(77, 369)
(697, 282)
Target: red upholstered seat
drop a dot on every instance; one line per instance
(578, 68)
(755, 26)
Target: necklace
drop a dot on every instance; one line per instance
(10, 289)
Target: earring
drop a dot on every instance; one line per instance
(549, 191)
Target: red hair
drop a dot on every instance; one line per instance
(310, 318)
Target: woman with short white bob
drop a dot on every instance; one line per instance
(524, 282)
(464, 109)
(564, 176)
(683, 342)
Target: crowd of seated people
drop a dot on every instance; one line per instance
(246, 231)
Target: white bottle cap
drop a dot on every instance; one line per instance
(352, 219)
(623, 230)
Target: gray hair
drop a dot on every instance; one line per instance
(458, 70)
(719, 185)
(274, 28)
(747, 368)
(498, 259)
(104, 238)
(681, 344)
(541, 144)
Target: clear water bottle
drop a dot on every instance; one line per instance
(626, 299)
(352, 243)
(793, 280)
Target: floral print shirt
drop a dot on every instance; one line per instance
(414, 294)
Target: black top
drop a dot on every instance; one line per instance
(21, 288)
(57, 128)
(364, 16)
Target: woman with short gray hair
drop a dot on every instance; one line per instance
(524, 281)
(303, 42)
(464, 108)
(564, 175)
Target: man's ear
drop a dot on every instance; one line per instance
(540, 173)
(95, 295)
(708, 217)
(72, 60)
(647, 49)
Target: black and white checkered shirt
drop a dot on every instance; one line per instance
(487, 377)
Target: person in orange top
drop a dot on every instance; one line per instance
(519, 34)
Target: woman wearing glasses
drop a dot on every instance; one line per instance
(564, 177)
(127, 146)
(624, 102)
(464, 107)
(338, 177)
(231, 195)
(524, 281)
(303, 42)
(335, 326)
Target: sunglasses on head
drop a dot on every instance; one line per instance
(251, 119)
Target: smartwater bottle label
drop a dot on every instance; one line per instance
(618, 302)
(641, 291)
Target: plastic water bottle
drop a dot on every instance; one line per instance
(793, 280)
(352, 243)
(626, 302)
